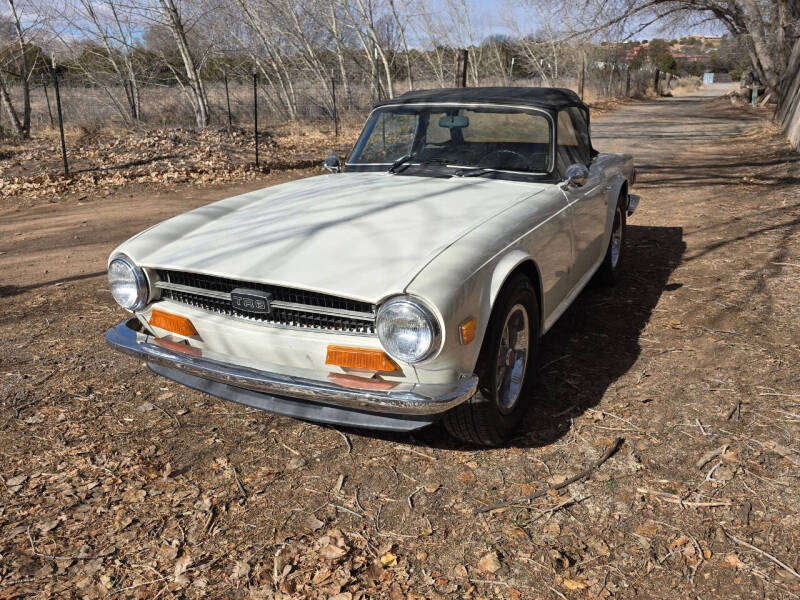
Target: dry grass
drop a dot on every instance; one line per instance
(686, 85)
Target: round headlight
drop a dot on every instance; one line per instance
(408, 330)
(128, 284)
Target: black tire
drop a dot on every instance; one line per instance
(484, 420)
(611, 268)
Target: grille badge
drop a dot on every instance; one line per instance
(255, 302)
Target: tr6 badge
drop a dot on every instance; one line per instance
(254, 302)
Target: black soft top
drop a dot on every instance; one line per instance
(539, 97)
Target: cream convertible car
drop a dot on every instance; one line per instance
(412, 286)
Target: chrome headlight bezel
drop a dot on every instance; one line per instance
(139, 279)
(425, 314)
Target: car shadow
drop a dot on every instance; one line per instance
(594, 343)
(13, 290)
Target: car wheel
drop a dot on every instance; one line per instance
(611, 267)
(505, 370)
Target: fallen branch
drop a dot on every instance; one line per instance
(553, 509)
(582, 475)
(345, 509)
(741, 542)
(710, 455)
(675, 499)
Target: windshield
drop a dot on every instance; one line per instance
(499, 138)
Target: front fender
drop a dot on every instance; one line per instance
(506, 266)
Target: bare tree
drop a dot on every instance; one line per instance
(401, 26)
(110, 33)
(364, 23)
(194, 86)
(20, 127)
(771, 26)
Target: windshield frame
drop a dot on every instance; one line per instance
(383, 166)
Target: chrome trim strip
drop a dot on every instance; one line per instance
(309, 308)
(177, 287)
(303, 384)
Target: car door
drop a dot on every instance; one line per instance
(588, 203)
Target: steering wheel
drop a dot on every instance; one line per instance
(521, 157)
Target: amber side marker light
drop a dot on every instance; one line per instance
(466, 330)
(173, 323)
(366, 359)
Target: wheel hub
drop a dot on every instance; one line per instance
(512, 358)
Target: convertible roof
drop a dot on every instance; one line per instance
(540, 97)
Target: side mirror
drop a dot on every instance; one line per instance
(332, 163)
(577, 175)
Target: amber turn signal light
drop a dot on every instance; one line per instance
(366, 359)
(466, 330)
(173, 323)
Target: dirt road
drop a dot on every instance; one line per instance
(119, 484)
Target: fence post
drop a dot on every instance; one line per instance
(657, 83)
(335, 109)
(255, 114)
(628, 81)
(461, 68)
(60, 119)
(47, 97)
(227, 101)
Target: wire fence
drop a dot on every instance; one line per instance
(96, 106)
(93, 107)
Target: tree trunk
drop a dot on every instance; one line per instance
(402, 30)
(5, 100)
(334, 28)
(24, 76)
(788, 113)
(196, 87)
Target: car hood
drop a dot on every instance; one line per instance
(358, 235)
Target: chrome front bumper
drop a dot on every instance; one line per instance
(411, 399)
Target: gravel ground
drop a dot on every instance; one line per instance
(118, 484)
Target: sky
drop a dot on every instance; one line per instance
(513, 17)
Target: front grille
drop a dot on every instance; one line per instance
(289, 307)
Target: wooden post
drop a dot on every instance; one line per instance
(461, 68)
(255, 114)
(335, 111)
(582, 76)
(60, 120)
(49, 110)
(657, 83)
(227, 101)
(628, 82)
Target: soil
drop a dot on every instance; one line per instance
(116, 483)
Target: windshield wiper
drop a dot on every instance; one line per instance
(477, 172)
(409, 157)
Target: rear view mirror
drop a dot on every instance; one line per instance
(332, 163)
(454, 122)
